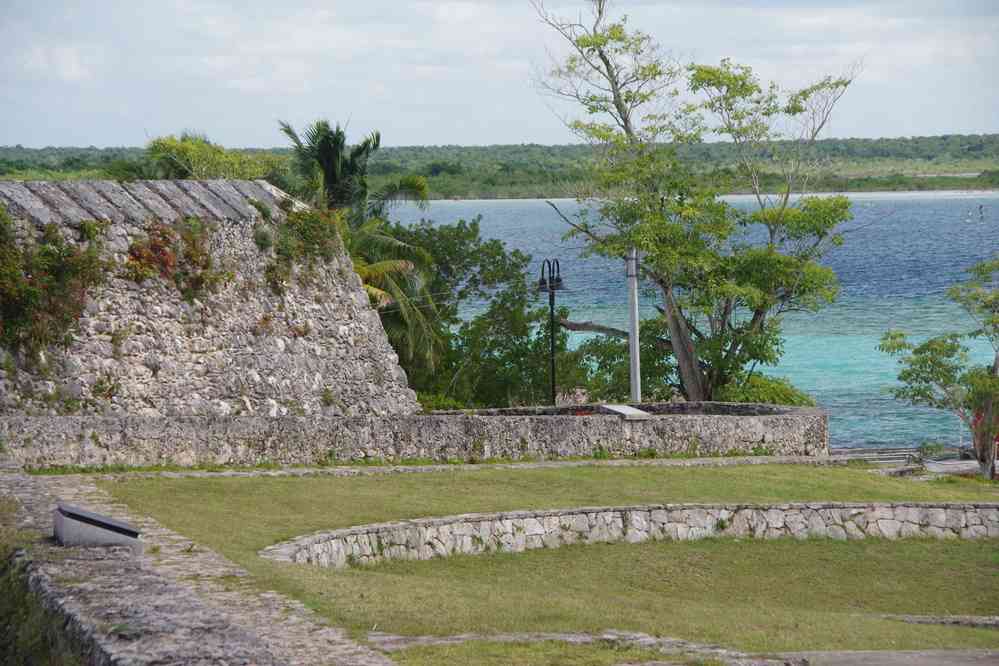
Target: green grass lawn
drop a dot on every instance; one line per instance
(751, 595)
(547, 653)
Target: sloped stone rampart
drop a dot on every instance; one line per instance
(142, 350)
(518, 531)
(248, 440)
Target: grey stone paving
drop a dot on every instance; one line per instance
(906, 658)
(983, 621)
(179, 603)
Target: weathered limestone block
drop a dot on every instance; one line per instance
(817, 527)
(837, 532)
(889, 528)
(934, 518)
(955, 519)
(796, 525)
(533, 527)
(775, 519)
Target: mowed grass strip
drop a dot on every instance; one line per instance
(247, 514)
(751, 595)
(759, 596)
(545, 653)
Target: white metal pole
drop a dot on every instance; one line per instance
(631, 265)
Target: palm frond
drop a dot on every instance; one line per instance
(379, 297)
(407, 188)
(372, 273)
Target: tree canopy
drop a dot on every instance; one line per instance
(723, 292)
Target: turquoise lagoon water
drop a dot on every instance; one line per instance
(901, 253)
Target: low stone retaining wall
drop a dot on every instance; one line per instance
(517, 531)
(718, 429)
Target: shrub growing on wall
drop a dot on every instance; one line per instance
(304, 238)
(43, 285)
(177, 253)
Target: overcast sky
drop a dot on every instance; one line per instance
(118, 72)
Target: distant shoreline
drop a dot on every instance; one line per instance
(562, 197)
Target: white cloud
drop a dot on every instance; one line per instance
(455, 71)
(70, 64)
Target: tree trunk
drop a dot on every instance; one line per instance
(683, 349)
(985, 437)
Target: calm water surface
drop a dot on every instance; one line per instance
(901, 253)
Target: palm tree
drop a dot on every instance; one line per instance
(393, 272)
(337, 173)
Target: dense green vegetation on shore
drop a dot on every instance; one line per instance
(517, 171)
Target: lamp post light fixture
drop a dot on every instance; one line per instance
(551, 281)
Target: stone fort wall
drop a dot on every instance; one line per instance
(242, 375)
(141, 350)
(312, 440)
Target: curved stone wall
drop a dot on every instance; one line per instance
(517, 531)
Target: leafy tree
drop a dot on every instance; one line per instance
(939, 372)
(505, 353)
(193, 155)
(606, 359)
(723, 291)
(465, 269)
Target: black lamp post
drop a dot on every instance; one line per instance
(551, 281)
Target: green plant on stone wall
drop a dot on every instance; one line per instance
(196, 273)
(178, 253)
(153, 255)
(305, 238)
(329, 399)
(477, 451)
(106, 386)
(118, 337)
(43, 286)
(9, 366)
(764, 389)
(263, 238)
(265, 211)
